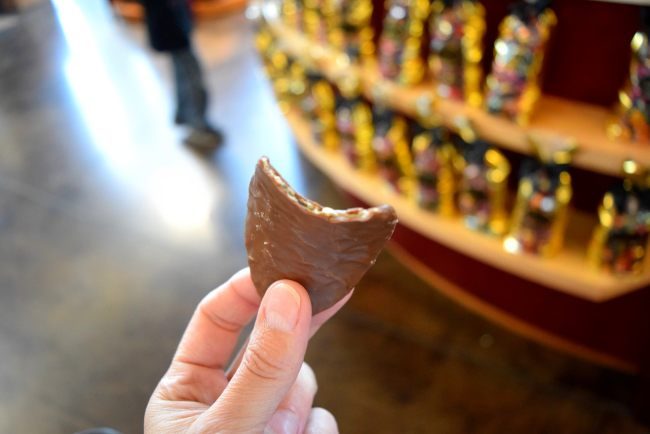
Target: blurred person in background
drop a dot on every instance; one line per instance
(169, 24)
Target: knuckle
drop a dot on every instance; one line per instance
(218, 319)
(175, 383)
(264, 362)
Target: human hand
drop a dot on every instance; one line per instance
(271, 391)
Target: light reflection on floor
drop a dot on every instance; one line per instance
(147, 159)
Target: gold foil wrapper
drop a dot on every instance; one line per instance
(277, 67)
(354, 126)
(619, 243)
(287, 76)
(633, 113)
(319, 19)
(263, 40)
(482, 188)
(352, 31)
(266, 45)
(297, 81)
(540, 213)
(434, 157)
(324, 114)
(401, 41)
(291, 13)
(513, 84)
(391, 147)
(456, 49)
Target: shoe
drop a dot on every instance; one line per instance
(204, 139)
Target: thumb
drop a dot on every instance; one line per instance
(270, 364)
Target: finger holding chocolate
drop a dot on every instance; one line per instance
(291, 237)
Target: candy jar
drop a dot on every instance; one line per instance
(433, 161)
(291, 12)
(620, 241)
(324, 118)
(455, 49)
(297, 82)
(633, 119)
(353, 33)
(354, 125)
(267, 47)
(318, 18)
(482, 187)
(307, 104)
(329, 20)
(390, 145)
(263, 37)
(311, 17)
(513, 84)
(401, 40)
(276, 66)
(540, 214)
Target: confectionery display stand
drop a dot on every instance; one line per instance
(514, 152)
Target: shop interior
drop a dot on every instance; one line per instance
(512, 138)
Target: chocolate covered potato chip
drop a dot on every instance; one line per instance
(291, 237)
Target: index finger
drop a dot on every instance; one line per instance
(217, 322)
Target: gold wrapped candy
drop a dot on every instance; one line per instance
(318, 105)
(482, 188)
(267, 46)
(297, 81)
(354, 126)
(312, 19)
(353, 33)
(318, 19)
(456, 29)
(391, 148)
(291, 12)
(541, 209)
(620, 241)
(277, 66)
(263, 38)
(633, 121)
(401, 40)
(513, 85)
(433, 161)
(307, 104)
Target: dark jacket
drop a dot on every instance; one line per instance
(169, 23)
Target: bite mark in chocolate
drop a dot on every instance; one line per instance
(291, 237)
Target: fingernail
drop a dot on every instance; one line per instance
(283, 422)
(281, 306)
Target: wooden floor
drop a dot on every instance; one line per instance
(111, 231)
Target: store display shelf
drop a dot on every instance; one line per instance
(132, 10)
(554, 120)
(212, 9)
(568, 272)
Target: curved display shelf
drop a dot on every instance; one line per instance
(568, 272)
(132, 9)
(554, 118)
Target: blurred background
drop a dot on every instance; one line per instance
(512, 141)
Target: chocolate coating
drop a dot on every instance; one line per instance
(325, 250)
